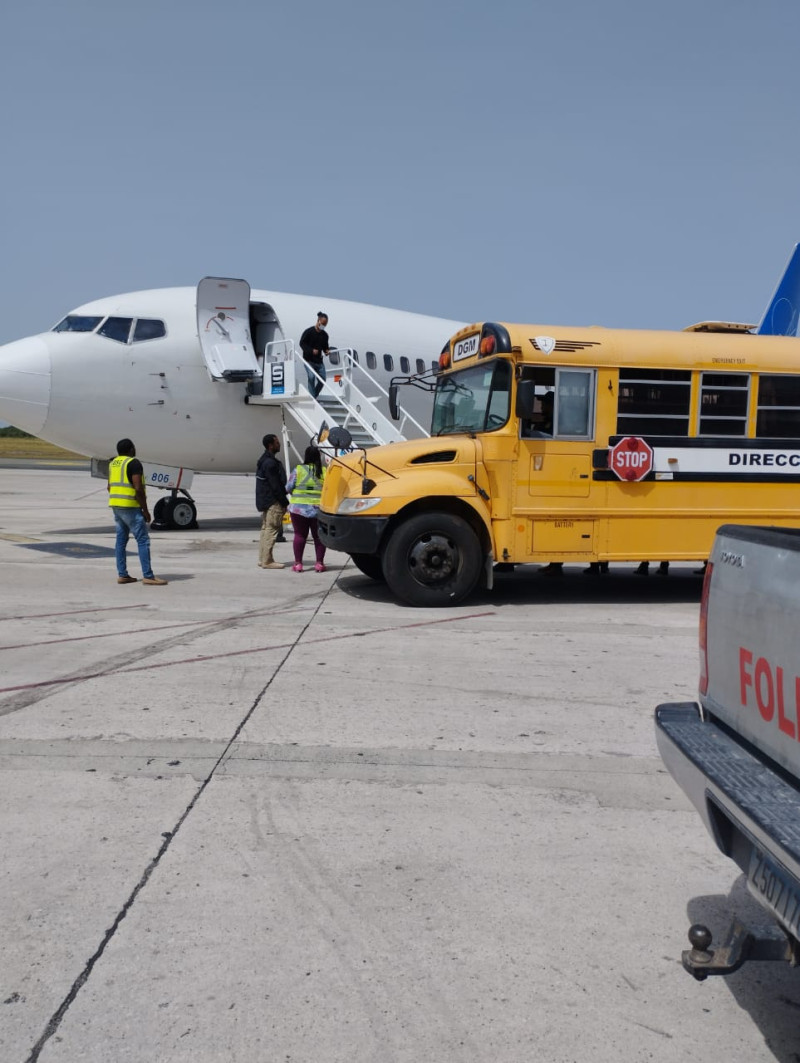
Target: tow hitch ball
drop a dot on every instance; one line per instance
(741, 944)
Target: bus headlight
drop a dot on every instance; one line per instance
(357, 505)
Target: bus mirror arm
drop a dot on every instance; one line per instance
(478, 488)
(367, 463)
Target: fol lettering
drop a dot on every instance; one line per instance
(765, 684)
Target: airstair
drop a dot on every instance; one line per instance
(243, 344)
(348, 399)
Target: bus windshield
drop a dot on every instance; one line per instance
(472, 400)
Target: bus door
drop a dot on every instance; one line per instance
(555, 473)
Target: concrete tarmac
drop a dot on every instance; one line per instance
(263, 816)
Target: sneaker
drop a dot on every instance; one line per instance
(154, 581)
(273, 564)
(319, 567)
(297, 567)
(643, 569)
(127, 579)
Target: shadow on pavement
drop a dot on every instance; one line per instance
(768, 992)
(206, 524)
(524, 586)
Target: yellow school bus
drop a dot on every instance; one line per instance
(575, 445)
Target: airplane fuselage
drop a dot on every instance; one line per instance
(84, 390)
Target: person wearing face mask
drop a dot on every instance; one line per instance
(314, 344)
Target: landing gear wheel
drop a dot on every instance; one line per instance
(370, 565)
(159, 511)
(178, 512)
(433, 559)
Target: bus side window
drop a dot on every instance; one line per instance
(778, 406)
(575, 391)
(654, 402)
(723, 404)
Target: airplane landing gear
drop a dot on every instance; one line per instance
(174, 513)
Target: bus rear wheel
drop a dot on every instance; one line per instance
(433, 559)
(369, 564)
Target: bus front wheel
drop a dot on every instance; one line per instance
(433, 559)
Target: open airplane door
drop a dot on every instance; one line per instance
(223, 326)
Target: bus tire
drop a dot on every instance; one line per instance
(433, 559)
(370, 565)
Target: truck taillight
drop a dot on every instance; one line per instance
(704, 629)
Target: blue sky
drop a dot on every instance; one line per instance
(616, 162)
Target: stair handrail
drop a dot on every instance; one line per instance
(350, 364)
(287, 344)
(379, 427)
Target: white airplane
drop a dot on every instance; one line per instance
(196, 377)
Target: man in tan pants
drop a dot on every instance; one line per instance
(271, 500)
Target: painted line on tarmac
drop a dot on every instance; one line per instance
(240, 653)
(76, 612)
(58, 1016)
(138, 630)
(254, 615)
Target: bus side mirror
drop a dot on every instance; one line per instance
(393, 402)
(339, 438)
(526, 393)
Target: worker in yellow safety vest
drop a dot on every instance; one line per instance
(128, 502)
(305, 490)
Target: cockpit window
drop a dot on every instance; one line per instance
(116, 328)
(148, 329)
(77, 323)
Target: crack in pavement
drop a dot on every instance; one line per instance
(58, 1016)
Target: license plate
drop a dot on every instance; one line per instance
(774, 888)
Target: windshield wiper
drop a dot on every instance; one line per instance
(452, 430)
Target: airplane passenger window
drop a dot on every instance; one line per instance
(116, 328)
(334, 357)
(148, 329)
(388, 363)
(372, 361)
(420, 365)
(405, 365)
(435, 367)
(77, 323)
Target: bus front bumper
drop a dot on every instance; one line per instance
(352, 535)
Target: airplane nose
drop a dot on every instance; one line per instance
(25, 384)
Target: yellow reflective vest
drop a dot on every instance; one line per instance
(121, 491)
(307, 489)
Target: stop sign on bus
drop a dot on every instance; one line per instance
(631, 458)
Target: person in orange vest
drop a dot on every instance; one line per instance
(131, 516)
